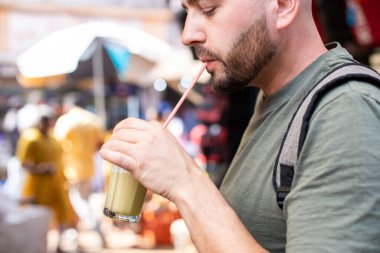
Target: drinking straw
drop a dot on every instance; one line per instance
(170, 117)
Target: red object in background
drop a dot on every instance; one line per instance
(366, 21)
(196, 133)
(212, 110)
(156, 225)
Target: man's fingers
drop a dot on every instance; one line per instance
(133, 123)
(119, 146)
(120, 159)
(127, 135)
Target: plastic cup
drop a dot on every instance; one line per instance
(125, 196)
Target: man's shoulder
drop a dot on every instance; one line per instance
(352, 90)
(30, 135)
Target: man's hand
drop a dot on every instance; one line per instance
(152, 155)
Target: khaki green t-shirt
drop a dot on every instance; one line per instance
(334, 204)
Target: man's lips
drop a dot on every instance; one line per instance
(206, 60)
(210, 62)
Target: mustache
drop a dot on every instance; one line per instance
(201, 51)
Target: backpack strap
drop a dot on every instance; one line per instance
(296, 133)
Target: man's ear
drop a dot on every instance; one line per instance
(287, 11)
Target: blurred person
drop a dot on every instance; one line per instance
(214, 140)
(10, 122)
(40, 154)
(27, 115)
(18, 118)
(273, 45)
(80, 133)
(213, 146)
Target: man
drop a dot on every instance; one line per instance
(334, 203)
(81, 134)
(40, 154)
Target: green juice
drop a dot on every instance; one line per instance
(125, 196)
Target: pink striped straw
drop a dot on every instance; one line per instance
(170, 117)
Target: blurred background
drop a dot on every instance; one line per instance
(72, 70)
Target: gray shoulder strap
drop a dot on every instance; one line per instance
(293, 140)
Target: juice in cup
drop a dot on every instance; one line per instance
(125, 196)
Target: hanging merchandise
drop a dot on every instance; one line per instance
(363, 17)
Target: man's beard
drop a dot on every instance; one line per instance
(250, 53)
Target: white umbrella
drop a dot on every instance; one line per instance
(58, 55)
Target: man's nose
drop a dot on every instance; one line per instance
(193, 32)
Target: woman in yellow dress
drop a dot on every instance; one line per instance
(40, 154)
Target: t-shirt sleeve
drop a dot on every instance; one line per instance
(334, 205)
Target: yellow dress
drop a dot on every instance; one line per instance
(80, 134)
(47, 190)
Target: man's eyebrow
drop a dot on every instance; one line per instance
(189, 2)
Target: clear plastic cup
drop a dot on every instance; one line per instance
(125, 196)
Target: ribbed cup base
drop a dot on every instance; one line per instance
(121, 217)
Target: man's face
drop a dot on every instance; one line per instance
(236, 62)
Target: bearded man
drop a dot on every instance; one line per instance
(334, 203)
